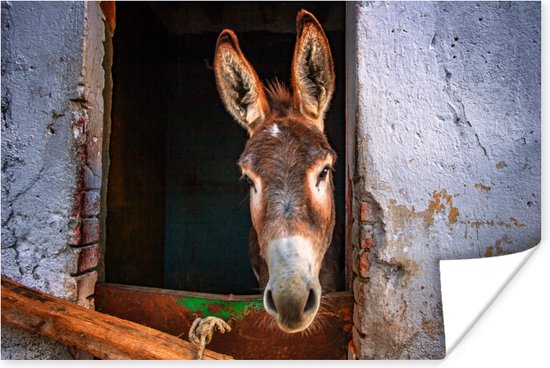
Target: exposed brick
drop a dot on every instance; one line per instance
(357, 287)
(75, 235)
(355, 260)
(87, 258)
(89, 231)
(355, 233)
(91, 203)
(363, 264)
(86, 287)
(356, 319)
(91, 180)
(368, 243)
(352, 350)
(369, 212)
(367, 240)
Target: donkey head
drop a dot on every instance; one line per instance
(288, 164)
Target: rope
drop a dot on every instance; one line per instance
(202, 329)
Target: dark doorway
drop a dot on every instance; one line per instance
(178, 215)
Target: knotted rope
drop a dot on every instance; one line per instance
(202, 329)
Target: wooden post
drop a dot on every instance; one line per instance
(103, 336)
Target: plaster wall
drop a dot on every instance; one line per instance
(52, 113)
(448, 157)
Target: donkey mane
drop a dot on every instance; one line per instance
(279, 96)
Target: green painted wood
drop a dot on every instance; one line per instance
(254, 334)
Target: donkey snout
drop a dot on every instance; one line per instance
(293, 307)
(293, 292)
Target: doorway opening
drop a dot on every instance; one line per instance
(178, 216)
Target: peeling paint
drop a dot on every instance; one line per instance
(482, 187)
(516, 223)
(219, 308)
(479, 223)
(501, 165)
(498, 245)
(497, 249)
(440, 201)
(437, 205)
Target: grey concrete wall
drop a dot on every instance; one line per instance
(51, 116)
(448, 157)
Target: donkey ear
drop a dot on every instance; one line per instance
(238, 84)
(312, 69)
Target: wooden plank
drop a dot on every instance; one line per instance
(103, 336)
(254, 334)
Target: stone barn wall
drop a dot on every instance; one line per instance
(52, 142)
(446, 98)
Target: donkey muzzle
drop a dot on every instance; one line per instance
(293, 292)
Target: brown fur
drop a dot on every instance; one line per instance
(280, 98)
(287, 150)
(285, 160)
(313, 76)
(238, 84)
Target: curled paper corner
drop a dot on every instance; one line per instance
(470, 286)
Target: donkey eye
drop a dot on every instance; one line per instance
(323, 175)
(248, 181)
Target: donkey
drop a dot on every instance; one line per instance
(288, 164)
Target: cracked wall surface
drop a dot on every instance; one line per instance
(52, 114)
(448, 157)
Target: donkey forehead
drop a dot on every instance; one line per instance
(284, 144)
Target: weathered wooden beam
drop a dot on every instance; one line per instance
(103, 336)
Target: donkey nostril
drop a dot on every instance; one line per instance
(270, 304)
(311, 302)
